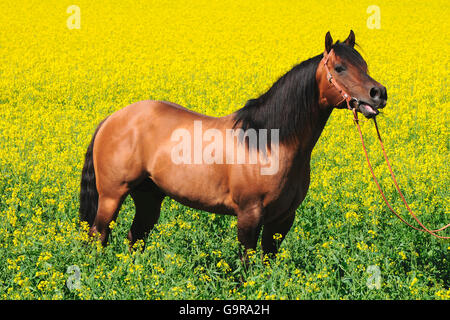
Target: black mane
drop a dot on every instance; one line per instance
(288, 103)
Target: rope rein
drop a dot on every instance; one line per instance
(349, 99)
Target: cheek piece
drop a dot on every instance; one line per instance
(345, 96)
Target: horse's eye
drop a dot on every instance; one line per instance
(339, 68)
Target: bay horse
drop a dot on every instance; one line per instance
(131, 152)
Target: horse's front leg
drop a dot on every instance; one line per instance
(249, 227)
(275, 231)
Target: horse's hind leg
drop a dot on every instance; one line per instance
(108, 208)
(147, 199)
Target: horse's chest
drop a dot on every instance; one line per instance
(292, 191)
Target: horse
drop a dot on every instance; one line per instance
(135, 152)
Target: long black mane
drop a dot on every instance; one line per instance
(287, 105)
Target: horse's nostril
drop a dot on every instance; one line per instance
(375, 92)
(384, 93)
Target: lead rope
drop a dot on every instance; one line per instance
(398, 188)
(348, 99)
(423, 228)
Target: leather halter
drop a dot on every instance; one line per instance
(346, 97)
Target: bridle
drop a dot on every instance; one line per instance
(346, 97)
(349, 99)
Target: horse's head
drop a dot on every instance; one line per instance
(342, 72)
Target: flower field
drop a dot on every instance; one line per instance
(57, 83)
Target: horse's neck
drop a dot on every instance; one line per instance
(311, 131)
(298, 154)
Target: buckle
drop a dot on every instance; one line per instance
(329, 77)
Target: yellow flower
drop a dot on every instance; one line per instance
(249, 283)
(402, 255)
(361, 245)
(277, 236)
(352, 217)
(443, 294)
(112, 225)
(223, 265)
(326, 245)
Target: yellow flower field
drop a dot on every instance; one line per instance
(58, 83)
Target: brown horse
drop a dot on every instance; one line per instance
(143, 150)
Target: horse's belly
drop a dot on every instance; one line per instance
(199, 187)
(201, 205)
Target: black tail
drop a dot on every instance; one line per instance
(88, 189)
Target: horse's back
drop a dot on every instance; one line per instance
(166, 110)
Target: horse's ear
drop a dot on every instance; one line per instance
(328, 42)
(350, 41)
